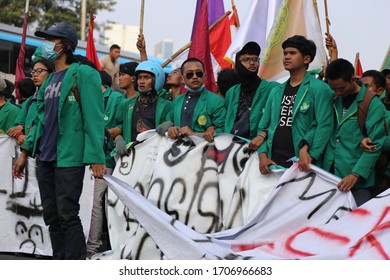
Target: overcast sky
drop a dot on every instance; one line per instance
(357, 25)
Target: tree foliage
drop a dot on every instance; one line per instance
(43, 13)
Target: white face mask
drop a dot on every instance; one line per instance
(48, 52)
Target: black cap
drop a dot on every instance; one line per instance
(128, 68)
(59, 30)
(250, 48)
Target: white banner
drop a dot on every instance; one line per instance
(22, 229)
(193, 199)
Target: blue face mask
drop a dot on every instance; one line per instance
(194, 90)
(48, 52)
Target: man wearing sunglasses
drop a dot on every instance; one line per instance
(199, 111)
(245, 102)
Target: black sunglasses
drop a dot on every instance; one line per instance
(199, 74)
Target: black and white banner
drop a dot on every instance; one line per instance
(22, 229)
(190, 199)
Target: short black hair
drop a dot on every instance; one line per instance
(84, 60)
(305, 46)
(191, 59)
(226, 78)
(378, 78)
(106, 78)
(385, 72)
(114, 46)
(49, 65)
(26, 87)
(340, 69)
(7, 92)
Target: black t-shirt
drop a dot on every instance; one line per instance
(283, 146)
(347, 102)
(241, 125)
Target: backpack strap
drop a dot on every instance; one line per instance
(363, 110)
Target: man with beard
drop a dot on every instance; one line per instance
(245, 102)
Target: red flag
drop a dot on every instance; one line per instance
(200, 45)
(19, 72)
(358, 67)
(91, 50)
(220, 40)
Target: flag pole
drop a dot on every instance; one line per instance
(186, 46)
(327, 22)
(141, 20)
(27, 5)
(235, 14)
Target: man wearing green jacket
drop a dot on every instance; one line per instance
(146, 110)
(67, 135)
(298, 113)
(343, 155)
(8, 111)
(199, 111)
(246, 101)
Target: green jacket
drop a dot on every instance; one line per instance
(124, 116)
(164, 94)
(344, 146)
(8, 114)
(232, 99)
(386, 144)
(210, 110)
(312, 119)
(27, 115)
(112, 100)
(80, 119)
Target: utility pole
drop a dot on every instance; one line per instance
(83, 17)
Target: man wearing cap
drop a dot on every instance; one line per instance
(8, 111)
(245, 101)
(126, 78)
(298, 113)
(147, 110)
(68, 135)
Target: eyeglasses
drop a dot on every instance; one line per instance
(38, 71)
(199, 74)
(250, 59)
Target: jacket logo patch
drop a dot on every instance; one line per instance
(304, 106)
(202, 120)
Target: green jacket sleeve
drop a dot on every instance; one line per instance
(376, 132)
